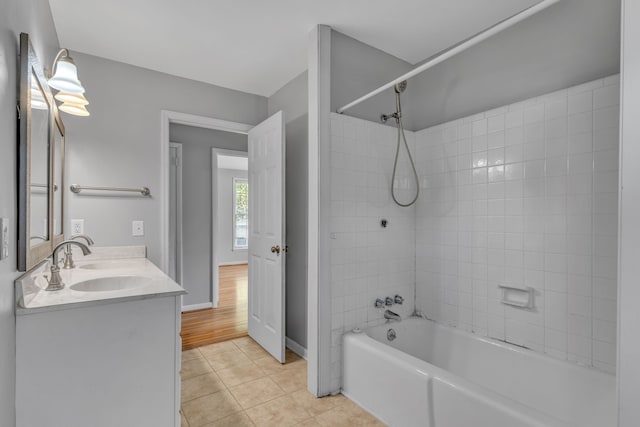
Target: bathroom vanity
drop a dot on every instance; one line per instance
(103, 351)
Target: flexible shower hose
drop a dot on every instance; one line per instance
(395, 166)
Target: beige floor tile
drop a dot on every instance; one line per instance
(239, 419)
(227, 359)
(270, 365)
(311, 422)
(280, 412)
(210, 408)
(244, 341)
(316, 406)
(199, 386)
(217, 348)
(291, 379)
(347, 414)
(183, 420)
(290, 356)
(191, 354)
(239, 374)
(194, 367)
(254, 351)
(255, 392)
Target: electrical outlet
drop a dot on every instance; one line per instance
(4, 238)
(137, 228)
(77, 226)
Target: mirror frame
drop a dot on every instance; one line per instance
(58, 126)
(30, 68)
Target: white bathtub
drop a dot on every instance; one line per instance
(436, 376)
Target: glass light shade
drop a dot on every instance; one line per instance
(74, 109)
(66, 76)
(72, 98)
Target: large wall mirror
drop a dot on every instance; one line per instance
(41, 163)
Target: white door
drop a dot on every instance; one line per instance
(266, 235)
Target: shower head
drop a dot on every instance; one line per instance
(400, 87)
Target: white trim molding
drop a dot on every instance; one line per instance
(194, 307)
(296, 348)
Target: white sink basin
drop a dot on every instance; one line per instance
(113, 283)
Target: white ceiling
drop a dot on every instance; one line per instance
(257, 46)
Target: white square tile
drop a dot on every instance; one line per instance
(580, 102)
(496, 156)
(606, 117)
(534, 114)
(534, 132)
(581, 142)
(514, 136)
(533, 151)
(606, 96)
(479, 127)
(581, 122)
(556, 307)
(514, 171)
(496, 139)
(514, 119)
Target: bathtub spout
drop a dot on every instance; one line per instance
(390, 315)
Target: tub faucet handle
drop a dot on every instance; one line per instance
(398, 299)
(388, 301)
(379, 303)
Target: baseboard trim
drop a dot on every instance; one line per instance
(194, 307)
(296, 348)
(222, 264)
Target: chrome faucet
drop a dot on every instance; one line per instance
(390, 315)
(55, 283)
(68, 254)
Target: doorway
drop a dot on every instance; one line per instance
(266, 248)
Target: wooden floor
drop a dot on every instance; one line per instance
(228, 320)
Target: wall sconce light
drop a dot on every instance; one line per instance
(65, 79)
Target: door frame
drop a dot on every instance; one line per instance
(215, 226)
(179, 245)
(166, 119)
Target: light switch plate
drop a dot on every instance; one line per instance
(137, 228)
(4, 238)
(77, 226)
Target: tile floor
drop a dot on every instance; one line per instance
(236, 383)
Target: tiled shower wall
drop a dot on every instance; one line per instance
(525, 194)
(367, 260)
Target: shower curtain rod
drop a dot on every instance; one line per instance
(481, 36)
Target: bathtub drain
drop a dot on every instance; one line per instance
(391, 335)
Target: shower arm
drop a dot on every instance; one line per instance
(460, 47)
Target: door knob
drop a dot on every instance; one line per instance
(275, 249)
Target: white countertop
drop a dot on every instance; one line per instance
(31, 296)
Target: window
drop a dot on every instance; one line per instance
(240, 213)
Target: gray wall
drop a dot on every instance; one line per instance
(196, 201)
(292, 99)
(226, 254)
(33, 17)
(357, 69)
(572, 42)
(119, 143)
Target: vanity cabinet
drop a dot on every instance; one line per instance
(99, 358)
(104, 365)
